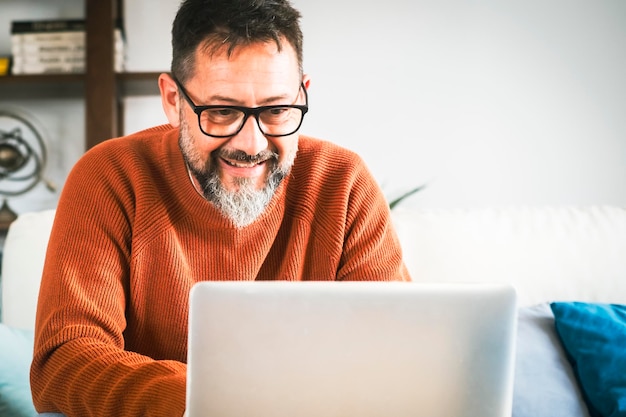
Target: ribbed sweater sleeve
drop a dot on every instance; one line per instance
(130, 238)
(81, 364)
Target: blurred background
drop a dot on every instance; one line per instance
(488, 103)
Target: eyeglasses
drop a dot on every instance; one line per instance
(223, 121)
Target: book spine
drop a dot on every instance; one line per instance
(67, 36)
(50, 59)
(58, 63)
(78, 36)
(48, 69)
(56, 42)
(57, 25)
(46, 48)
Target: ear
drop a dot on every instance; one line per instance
(169, 99)
(306, 81)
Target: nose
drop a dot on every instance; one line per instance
(250, 139)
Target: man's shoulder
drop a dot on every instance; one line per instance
(141, 172)
(151, 147)
(325, 175)
(134, 156)
(315, 153)
(144, 140)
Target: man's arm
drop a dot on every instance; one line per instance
(80, 364)
(371, 247)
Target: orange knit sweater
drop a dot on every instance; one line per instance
(130, 238)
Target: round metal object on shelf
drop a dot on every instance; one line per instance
(23, 154)
(23, 159)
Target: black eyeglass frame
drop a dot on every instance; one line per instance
(247, 112)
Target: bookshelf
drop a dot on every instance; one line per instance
(101, 87)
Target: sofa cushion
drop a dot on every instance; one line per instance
(594, 335)
(545, 384)
(22, 265)
(16, 347)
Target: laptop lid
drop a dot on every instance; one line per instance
(367, 349)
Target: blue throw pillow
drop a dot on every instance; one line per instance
(594, 336)
(16, 351)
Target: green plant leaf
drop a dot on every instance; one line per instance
(393, 203)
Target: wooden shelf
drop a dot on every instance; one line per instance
(41, 78)
(34, 87)
(73, 85)
(100, 87)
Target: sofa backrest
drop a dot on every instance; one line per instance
(547, 254)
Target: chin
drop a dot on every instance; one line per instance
(234, 184)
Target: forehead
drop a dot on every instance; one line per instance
(256, 63)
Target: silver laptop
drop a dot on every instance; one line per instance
(339, 349)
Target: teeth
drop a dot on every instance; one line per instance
(239, 164)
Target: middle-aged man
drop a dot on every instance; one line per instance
(227, 191)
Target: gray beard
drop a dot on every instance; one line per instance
(246, 204)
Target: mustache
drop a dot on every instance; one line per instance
(241, 156)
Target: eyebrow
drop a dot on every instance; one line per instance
(233, 101)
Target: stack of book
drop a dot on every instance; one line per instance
(54, 46)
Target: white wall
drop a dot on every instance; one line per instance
(491, 103)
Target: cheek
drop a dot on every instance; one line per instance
(197, 147)
(286, 147)
(202, 144)
(206, 145)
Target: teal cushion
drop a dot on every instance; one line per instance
(16, 347)
(594, 336)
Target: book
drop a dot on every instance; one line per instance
(34, 42)
(23, 27)
(48, 59)
(58, 63)
(55, 25)
(76, 36)
(46, 48)
(48, 69)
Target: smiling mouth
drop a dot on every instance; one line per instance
(243, 164)
(240, 159)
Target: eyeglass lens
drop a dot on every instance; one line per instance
(278, 121)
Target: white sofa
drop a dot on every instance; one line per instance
(548, 254)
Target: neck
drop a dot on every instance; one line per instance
(194, 181)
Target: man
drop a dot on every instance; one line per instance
(226, 191)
